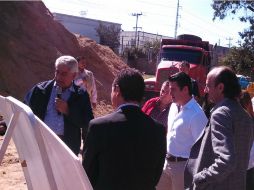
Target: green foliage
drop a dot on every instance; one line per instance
(240, 59)
(133, 53)
(152, 47)
(109, 36)
(226, 8)
(223, 8)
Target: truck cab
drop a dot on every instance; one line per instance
(172, 53)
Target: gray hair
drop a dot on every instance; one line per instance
(69, 61)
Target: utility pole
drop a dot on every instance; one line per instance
(177, 15)
(229, 41)
(136, 28)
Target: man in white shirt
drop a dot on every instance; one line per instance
(186, 122)
(85, 79)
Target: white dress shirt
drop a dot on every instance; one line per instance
(86, 80)
(184, 128)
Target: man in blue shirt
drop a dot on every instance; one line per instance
(62, 105)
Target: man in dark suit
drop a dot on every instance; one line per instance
(61, 104)
(125, 150)
(220, 158)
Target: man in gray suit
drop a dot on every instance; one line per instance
(220, 158)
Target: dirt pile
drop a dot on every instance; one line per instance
(30, 42)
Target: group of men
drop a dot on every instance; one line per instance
(127, 149)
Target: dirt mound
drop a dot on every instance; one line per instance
(30, 42)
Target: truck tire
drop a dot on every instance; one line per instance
(188, 37)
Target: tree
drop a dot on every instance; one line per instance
(225, 8)
(149, 47)
(153, 46)
(109, 35)
(240, 59)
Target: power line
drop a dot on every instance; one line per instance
(218, 28)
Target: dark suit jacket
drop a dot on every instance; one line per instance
(124, 150)
(219, 160)
(80, 111)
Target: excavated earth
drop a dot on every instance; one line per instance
(30, 42)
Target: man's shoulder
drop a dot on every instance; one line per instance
(194, 106)
(106, 119)
(122, 116)
(228, 105)
(43, 85)
(142, 119)
(88, 72)
(79, 90)
(152, 100)
(195, 111)
(230, 109)
(232, 113)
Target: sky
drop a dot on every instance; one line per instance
(158, 17)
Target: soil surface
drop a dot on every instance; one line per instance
(30, 42)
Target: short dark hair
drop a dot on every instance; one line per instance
(182, 80)
(226, 76)
(131, 84)
(185, 64)
(79, 58)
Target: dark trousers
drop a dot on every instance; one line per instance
(250, 179)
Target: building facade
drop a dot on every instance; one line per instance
(218, 53)
(80, 25)
(137, 39)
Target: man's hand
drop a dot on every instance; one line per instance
(61, 106)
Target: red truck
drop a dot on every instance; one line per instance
(185, 47)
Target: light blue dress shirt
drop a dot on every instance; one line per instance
(53, 119)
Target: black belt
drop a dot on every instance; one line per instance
(172, 158)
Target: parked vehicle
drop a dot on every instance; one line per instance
(250, 89)
(185, 47)
(243, 80)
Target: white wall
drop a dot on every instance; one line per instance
(80, 25)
